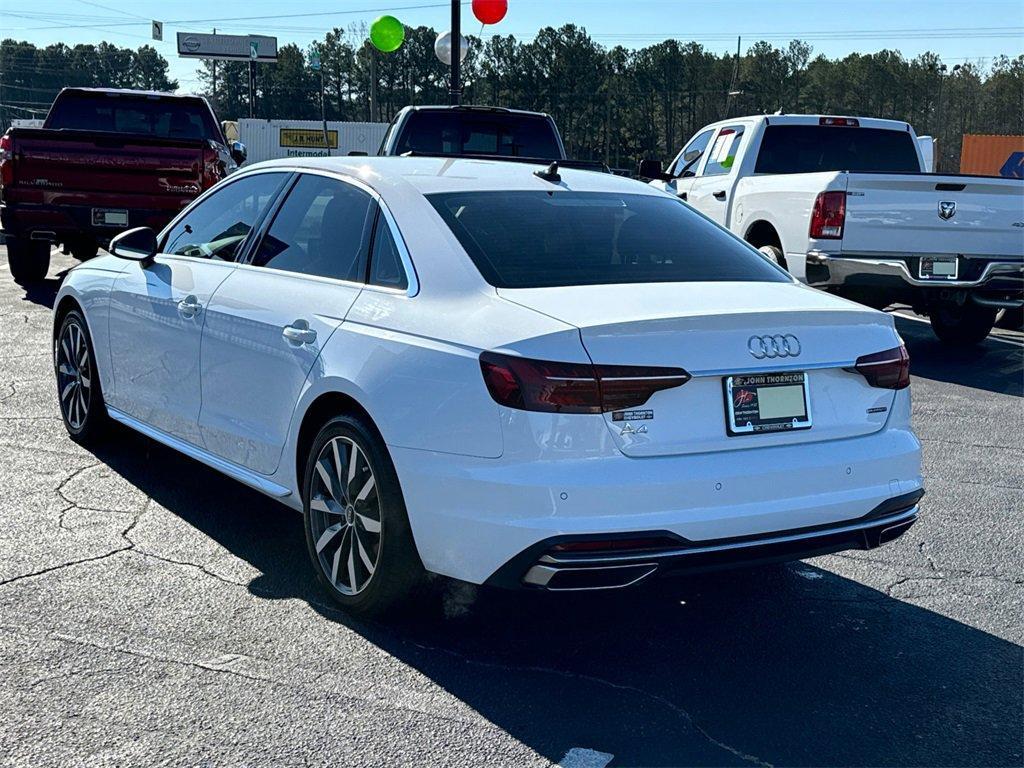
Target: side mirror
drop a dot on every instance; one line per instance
(137, 244)
(238, 152)
(651, 169)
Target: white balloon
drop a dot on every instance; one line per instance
(443, 48)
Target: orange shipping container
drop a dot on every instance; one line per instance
(993, 155)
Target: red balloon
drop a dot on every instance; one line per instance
(490, 11)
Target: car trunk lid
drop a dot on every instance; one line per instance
(706, 328)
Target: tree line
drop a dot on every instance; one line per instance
(614, 104)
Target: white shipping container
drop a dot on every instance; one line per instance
(273, 139)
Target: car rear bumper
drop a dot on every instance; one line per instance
(997, 281)
(57, 222)
(471, 516)
(544, 567)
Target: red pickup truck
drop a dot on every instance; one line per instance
(104, 161)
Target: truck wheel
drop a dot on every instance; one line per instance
(29, 260)
(962, 325)
(773, 254)
(84, 249)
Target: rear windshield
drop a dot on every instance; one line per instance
(163, 118)
(468, 133)
(544, 239)
(810, 148)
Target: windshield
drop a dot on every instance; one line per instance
(544, 239)
(165, 118)
(810, 148)
(473, 133)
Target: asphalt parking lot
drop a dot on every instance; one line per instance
(153, 612)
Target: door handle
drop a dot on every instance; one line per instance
(720, 194)
(682, 195)
(299, 332)
(189, 307)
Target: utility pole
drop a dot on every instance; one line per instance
(215, 104)
(732, 84)
(455, 95)
(252, 88)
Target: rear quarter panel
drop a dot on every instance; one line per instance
(784, 201)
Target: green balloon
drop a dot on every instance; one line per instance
(387, 34)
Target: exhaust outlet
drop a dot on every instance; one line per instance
(576, 579)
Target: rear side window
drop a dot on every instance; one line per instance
(469, 133)
(322, 229)
(165, 118)
(217, 227)
(386, 268)
(544, 239)
(810, 148)
(723, 152)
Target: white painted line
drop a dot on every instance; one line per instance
(578, 757)
(810, 575)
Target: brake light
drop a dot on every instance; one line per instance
(213, 166)
(541, 385)
(886, 370)
(828, 216)
(6, 159)
(840, 122)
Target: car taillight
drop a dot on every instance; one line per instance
(6, 160)
(828, 216)
(886, 370)
(541, 385)
(213, 166)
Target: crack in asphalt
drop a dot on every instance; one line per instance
(681, 713)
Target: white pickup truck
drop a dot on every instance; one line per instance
(844, 204)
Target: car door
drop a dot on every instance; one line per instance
(157, 309)
(271, 317)
(711, 191)
(686, 164)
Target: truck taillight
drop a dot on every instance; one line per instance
(886, 370)
(213, 166)
(541, 385)
(828, 216)
(840, 122)
(6, 160)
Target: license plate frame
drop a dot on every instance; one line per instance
(926, 268)
(741, 419)
(110, 217)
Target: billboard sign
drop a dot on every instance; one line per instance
(197, 45)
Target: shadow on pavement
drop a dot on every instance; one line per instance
(993, 365)
(787, 665)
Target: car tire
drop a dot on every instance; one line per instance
(357, 528)
(29, 260)
(79, 393)
(84, 248)
(773, 254)
(962, 325)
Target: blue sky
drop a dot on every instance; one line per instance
(955, 29)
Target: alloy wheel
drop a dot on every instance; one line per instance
(74, 375)
(346, 515)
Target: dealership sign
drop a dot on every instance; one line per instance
(196, 45)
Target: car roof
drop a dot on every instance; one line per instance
(131, 92)
(865, 122)
(479, 108)
(393, 176)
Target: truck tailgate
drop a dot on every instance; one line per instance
(72, 162)
(895, 214)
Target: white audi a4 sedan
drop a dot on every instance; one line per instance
(525, 377)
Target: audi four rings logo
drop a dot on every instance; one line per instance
(778, 345)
